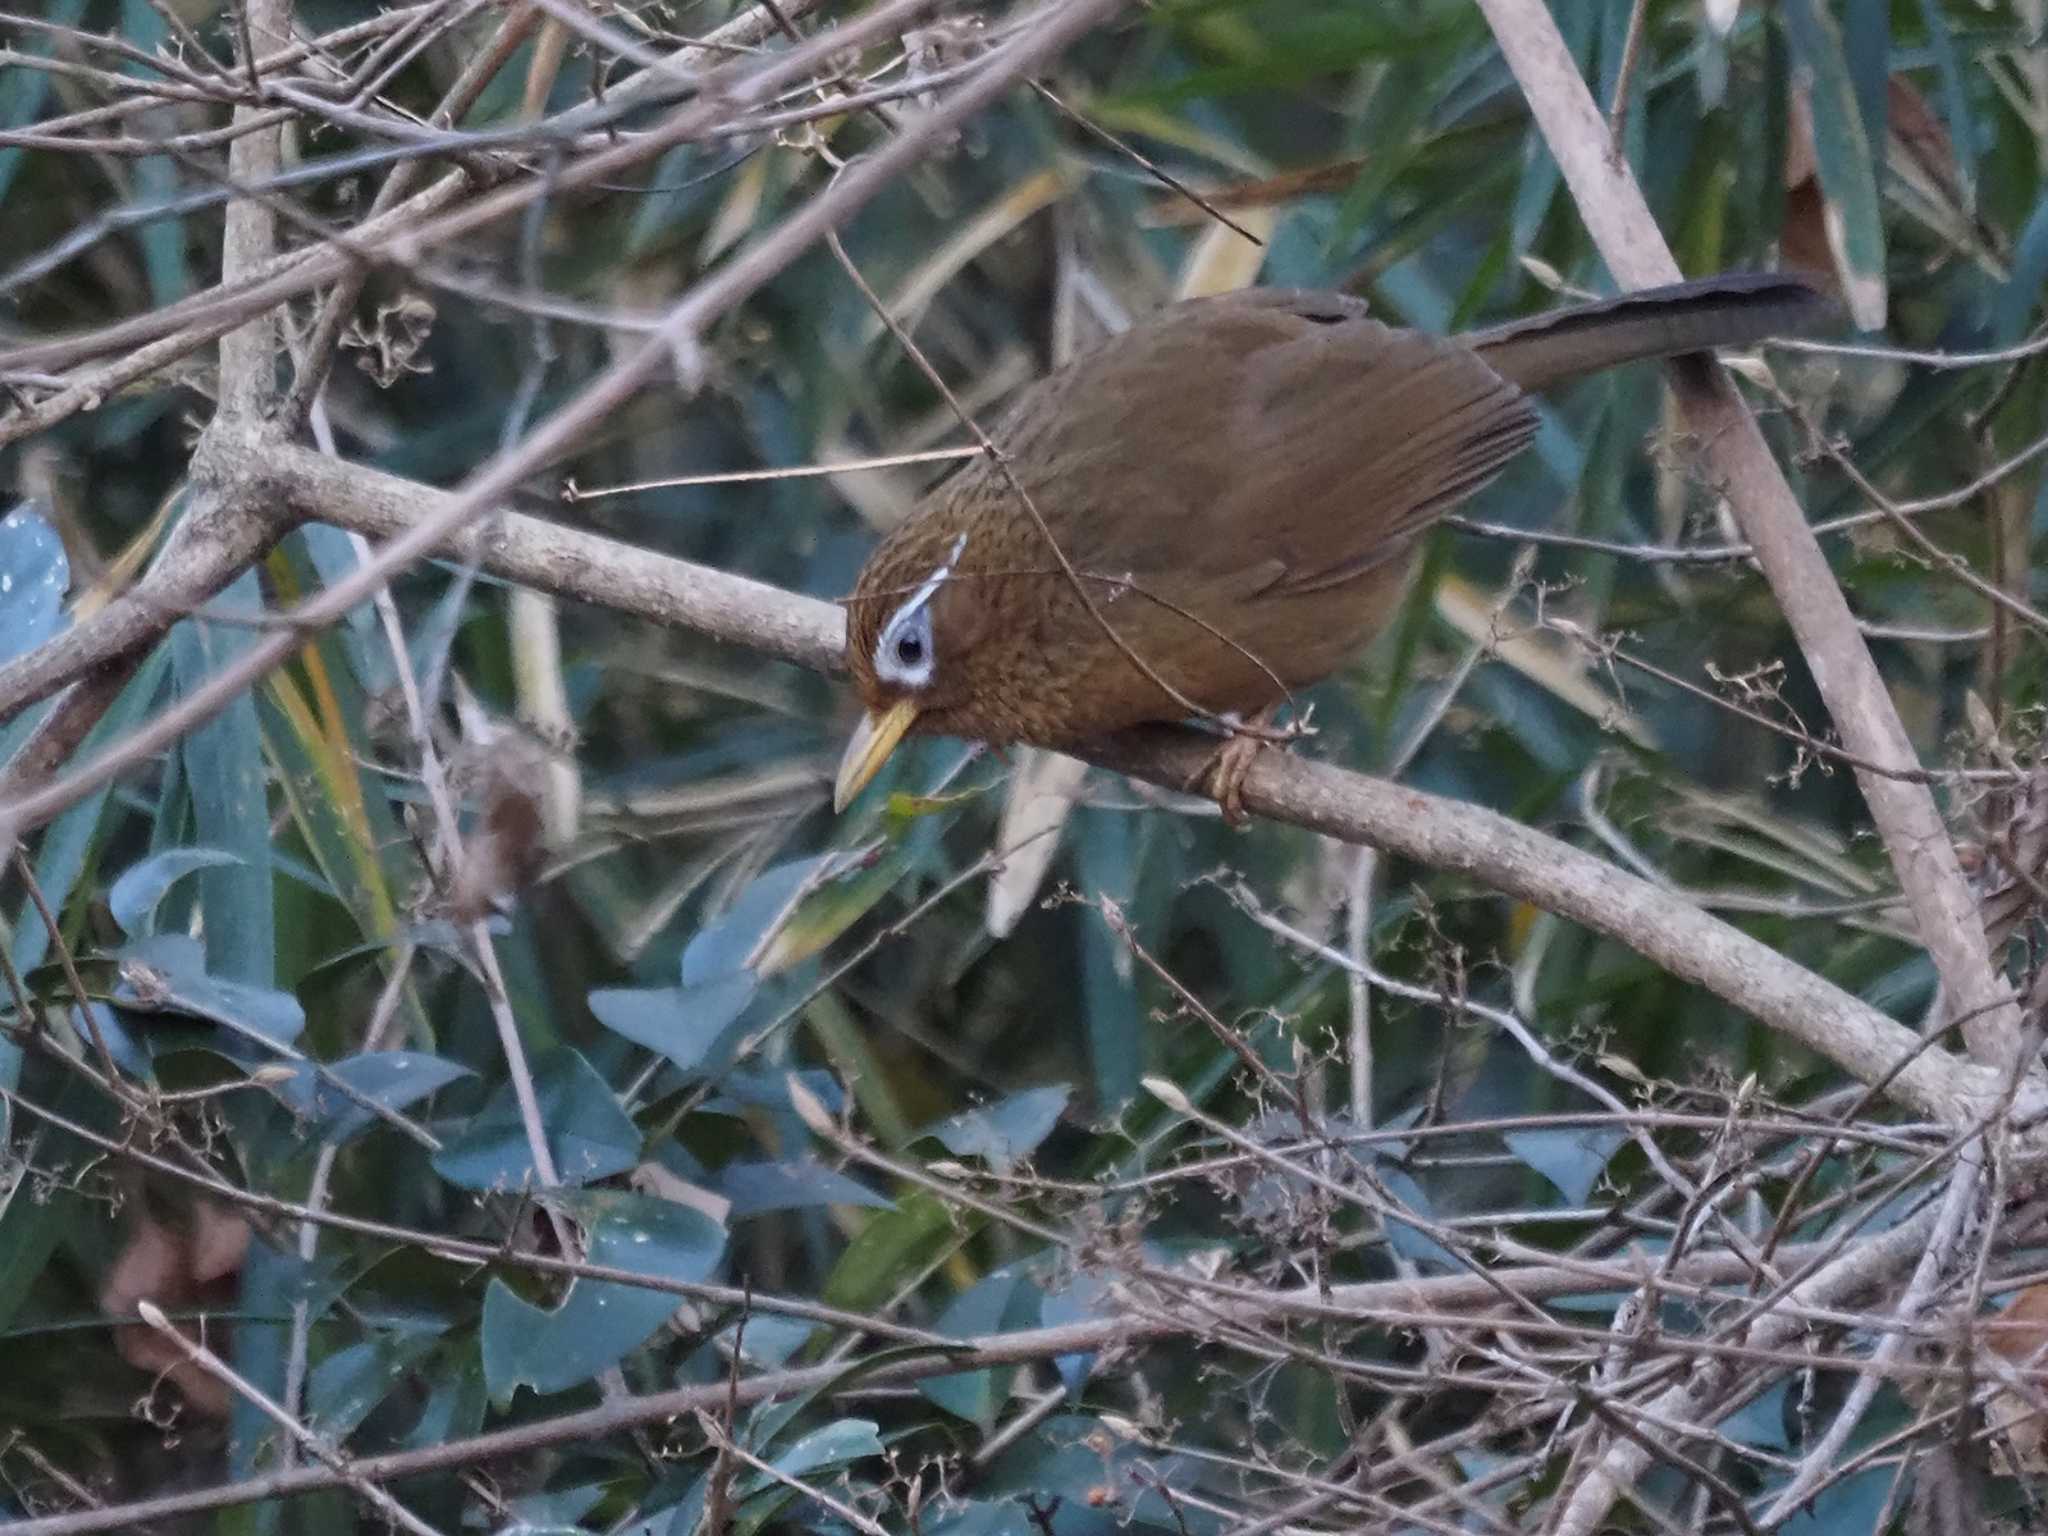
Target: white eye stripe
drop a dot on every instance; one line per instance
(904, 654)
(933, 582)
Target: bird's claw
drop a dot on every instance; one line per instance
(1222, 777)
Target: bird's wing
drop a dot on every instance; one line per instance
(1352, 437)
(1266, 443)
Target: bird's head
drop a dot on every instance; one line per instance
(910, 629)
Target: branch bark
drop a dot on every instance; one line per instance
(249, 353)
(1443, 834)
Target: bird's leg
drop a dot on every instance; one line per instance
(1224, 774)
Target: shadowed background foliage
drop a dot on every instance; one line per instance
(691, 925)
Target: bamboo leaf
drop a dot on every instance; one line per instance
(1842, 156)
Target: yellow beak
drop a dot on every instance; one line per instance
(873, 740)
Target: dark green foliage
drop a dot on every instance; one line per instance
(781, 1055)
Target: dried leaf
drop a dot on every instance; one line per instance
(1042, 792)
(181, 1268)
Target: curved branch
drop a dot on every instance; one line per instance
(1501, 854)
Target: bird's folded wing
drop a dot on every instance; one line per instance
(1353, 438)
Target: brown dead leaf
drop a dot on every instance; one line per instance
(188, 1265)
(1918, 171)
(2019, 1336)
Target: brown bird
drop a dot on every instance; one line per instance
(1219, 506)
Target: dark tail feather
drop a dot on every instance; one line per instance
(1732, 310)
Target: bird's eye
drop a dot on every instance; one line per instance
(903, 656)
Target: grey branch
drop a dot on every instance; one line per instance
(1915, 836)
(1444, 834)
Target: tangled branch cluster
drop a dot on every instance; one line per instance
(1240, 1301)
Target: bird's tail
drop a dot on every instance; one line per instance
(1732, 310)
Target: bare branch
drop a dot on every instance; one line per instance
(1403, 1298)
(1469, 839)
(1914, 833)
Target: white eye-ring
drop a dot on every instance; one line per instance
(904, 654)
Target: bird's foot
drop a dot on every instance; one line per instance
(1223, 776)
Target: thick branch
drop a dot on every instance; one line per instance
(560, 559)
(249, 353)
(1916, 838)
(1441, 833)
(60, 732)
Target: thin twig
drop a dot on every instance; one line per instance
(343, 1469)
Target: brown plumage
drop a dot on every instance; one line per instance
(1237, 483)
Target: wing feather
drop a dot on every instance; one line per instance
(1281, 436)
(1359, 437)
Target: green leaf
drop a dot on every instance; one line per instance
(34, 576)
(793, 1185)
(986, 1517)
(166, 973)
(1571, 1159)
(1760, 1421)
(1853, 1504)
(1407, 1240)
(1116, 1044)
(1005, 1133)
(345, 1387)
(1004, 1302)
(227, 779)
(24, 85)
(332, 1098)
(1082, 1299)
(35, 1219)
(313, 726)
(598, 1322)
(2021, 295)
(890, 1250)
(833, 1445)
(589, 1135)
(1867, 50)
(156, 176)
(682, 1023)
(739, 1091)
(62, 856)
(133, 897)
(557, 1511)
(724, 945)
(271, 1284)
